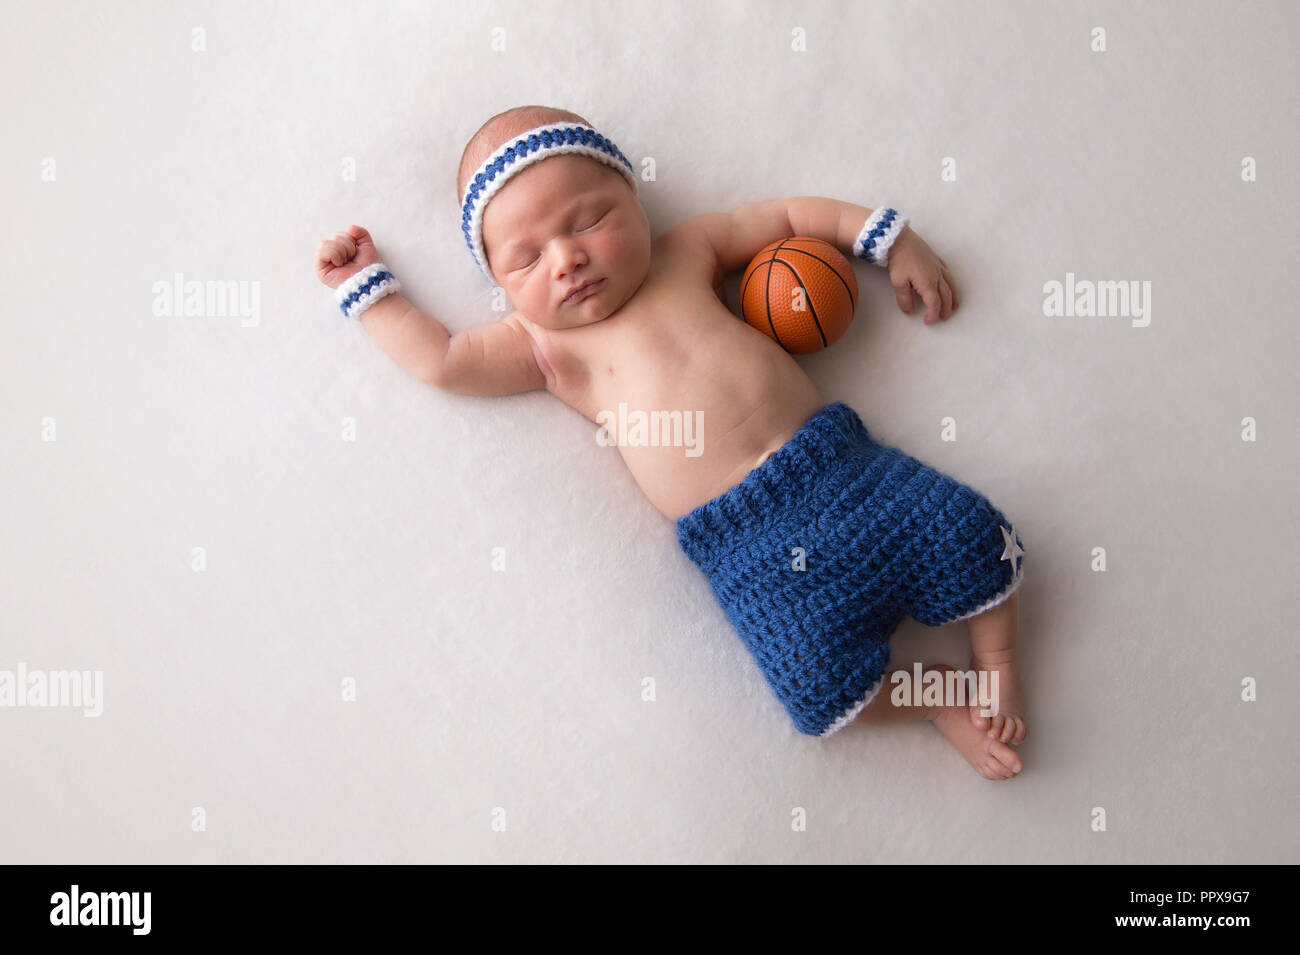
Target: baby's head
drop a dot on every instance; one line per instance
(557, 223)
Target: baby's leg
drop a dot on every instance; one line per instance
(881, 711)
(993, 649)
(991, 758)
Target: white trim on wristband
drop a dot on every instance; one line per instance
(879, 233)
(365, 288)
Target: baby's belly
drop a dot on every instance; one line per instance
(690, 436)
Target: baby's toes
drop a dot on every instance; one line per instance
(1010, 726)
(1021, 731)
(1005, 758)
(994, 769)
(996, 725)
(980, 721)
(1013, 731)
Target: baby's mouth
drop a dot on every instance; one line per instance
(589, 289)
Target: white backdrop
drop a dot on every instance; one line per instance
(181, 512)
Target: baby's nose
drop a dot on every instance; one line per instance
(568, 260)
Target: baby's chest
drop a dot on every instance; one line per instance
(655, 337)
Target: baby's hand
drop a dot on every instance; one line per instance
(343, 255)
(913, 265)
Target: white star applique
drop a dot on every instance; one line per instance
(1013, 547)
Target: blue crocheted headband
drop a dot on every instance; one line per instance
(521, 152)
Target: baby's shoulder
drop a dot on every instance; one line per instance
(687, 246)
(690, 234)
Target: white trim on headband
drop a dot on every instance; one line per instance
(522, 151)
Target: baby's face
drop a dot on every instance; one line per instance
(560, 223)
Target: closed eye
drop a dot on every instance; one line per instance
(586, 228)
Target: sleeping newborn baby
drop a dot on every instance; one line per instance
(816, 539)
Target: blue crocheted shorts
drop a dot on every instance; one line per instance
(879, 535)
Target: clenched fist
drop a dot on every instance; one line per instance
(343, 255)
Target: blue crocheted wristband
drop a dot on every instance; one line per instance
(880, 232)
(365, 288)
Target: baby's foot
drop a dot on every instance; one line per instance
(991, 758)
(1009, 725)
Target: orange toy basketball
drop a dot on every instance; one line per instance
(801, 292)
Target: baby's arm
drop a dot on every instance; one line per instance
(493, 359)
(912, 263)
(738, 235)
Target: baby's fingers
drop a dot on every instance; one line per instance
(945, 296)
(952, 286)
(344, 245)
(903, 292)
(332, 254)
(325, 253)
(933, 303)
(358, 233)
(332, 251)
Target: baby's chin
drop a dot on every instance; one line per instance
(568, 316)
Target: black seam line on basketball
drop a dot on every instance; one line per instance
(806, 297)
(767, 299)
(765, 305)
(745, 287)
(852, 299)
(750, 273)
(767, 287)
(748, 278)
